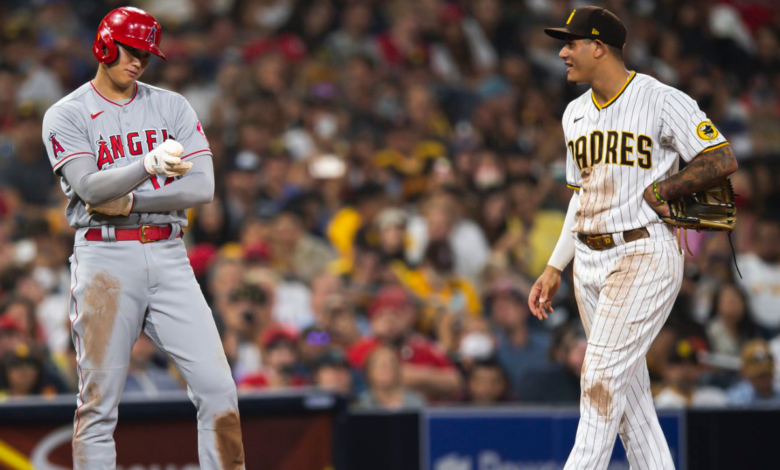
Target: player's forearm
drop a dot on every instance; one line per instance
(189, 191)
(564, 249)
(699, 175)
(430, 380)
(195, 188)
(96, 187)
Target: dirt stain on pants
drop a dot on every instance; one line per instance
(227, 433)
(101, 307)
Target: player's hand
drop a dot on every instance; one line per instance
(661, 208)
(165, 159)
(544, 289)
(120, 206)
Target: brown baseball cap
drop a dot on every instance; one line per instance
(592, 23)
(757, 358)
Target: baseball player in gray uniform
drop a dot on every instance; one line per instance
(133, 158)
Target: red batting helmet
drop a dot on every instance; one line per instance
(130, 26)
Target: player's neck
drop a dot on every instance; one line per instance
(610, 82)
(110, 89)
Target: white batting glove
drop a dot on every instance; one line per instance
(120, 206)
(166, 160)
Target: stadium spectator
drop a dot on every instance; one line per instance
(332, 372)
(761, 274)
(296, 251)
(487, 383)
(559, 381)
(24, 374)
(425, 367)
(280, 361)
(438, 288)
(520, 349)
(758, 370)
(731, 324)
(386, 391)
(145, 376)
(682, 377)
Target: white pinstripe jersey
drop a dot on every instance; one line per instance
(616, 150)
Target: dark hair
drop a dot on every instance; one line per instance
(490, 362)
(615, 51)
(251, 293)
(746, 327)
(440, 256)
(560, 334)
(32, 320)
(33, 358)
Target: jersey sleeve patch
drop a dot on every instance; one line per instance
(200, 129)
(707, 131)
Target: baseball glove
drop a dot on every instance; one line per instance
(711, 210)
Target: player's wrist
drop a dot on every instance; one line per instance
(554, 267)
(658, 193)
(150, 160)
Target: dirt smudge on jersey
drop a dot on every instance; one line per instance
(585, 194)
(227, 434)
(599, 398)
(101, 307)
(597, 192)
(622, 279)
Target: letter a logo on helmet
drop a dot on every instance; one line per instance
(130, 26)
(152, 35)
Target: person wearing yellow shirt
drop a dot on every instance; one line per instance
(353, 223)
(438, 288)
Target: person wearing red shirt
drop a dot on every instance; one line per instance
(280, 356)
(425, 366)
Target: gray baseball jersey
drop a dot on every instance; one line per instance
(120, 288)
(85, 124)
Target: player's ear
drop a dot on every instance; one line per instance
(599, 49)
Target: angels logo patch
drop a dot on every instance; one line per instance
(200, 129)
(55, 144)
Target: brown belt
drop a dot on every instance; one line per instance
(605, 242)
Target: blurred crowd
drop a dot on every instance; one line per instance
(390, 182)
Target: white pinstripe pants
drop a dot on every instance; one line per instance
(624, 295)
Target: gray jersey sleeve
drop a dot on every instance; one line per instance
(196, 187)
(65, 137)
(96, 187)
(188, 131)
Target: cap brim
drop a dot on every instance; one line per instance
(563, 34)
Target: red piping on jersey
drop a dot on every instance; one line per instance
(71, 155)
(114, 102)
(193, 153)
(78, 342)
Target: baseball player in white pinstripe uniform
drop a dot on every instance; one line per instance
(624, 137)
